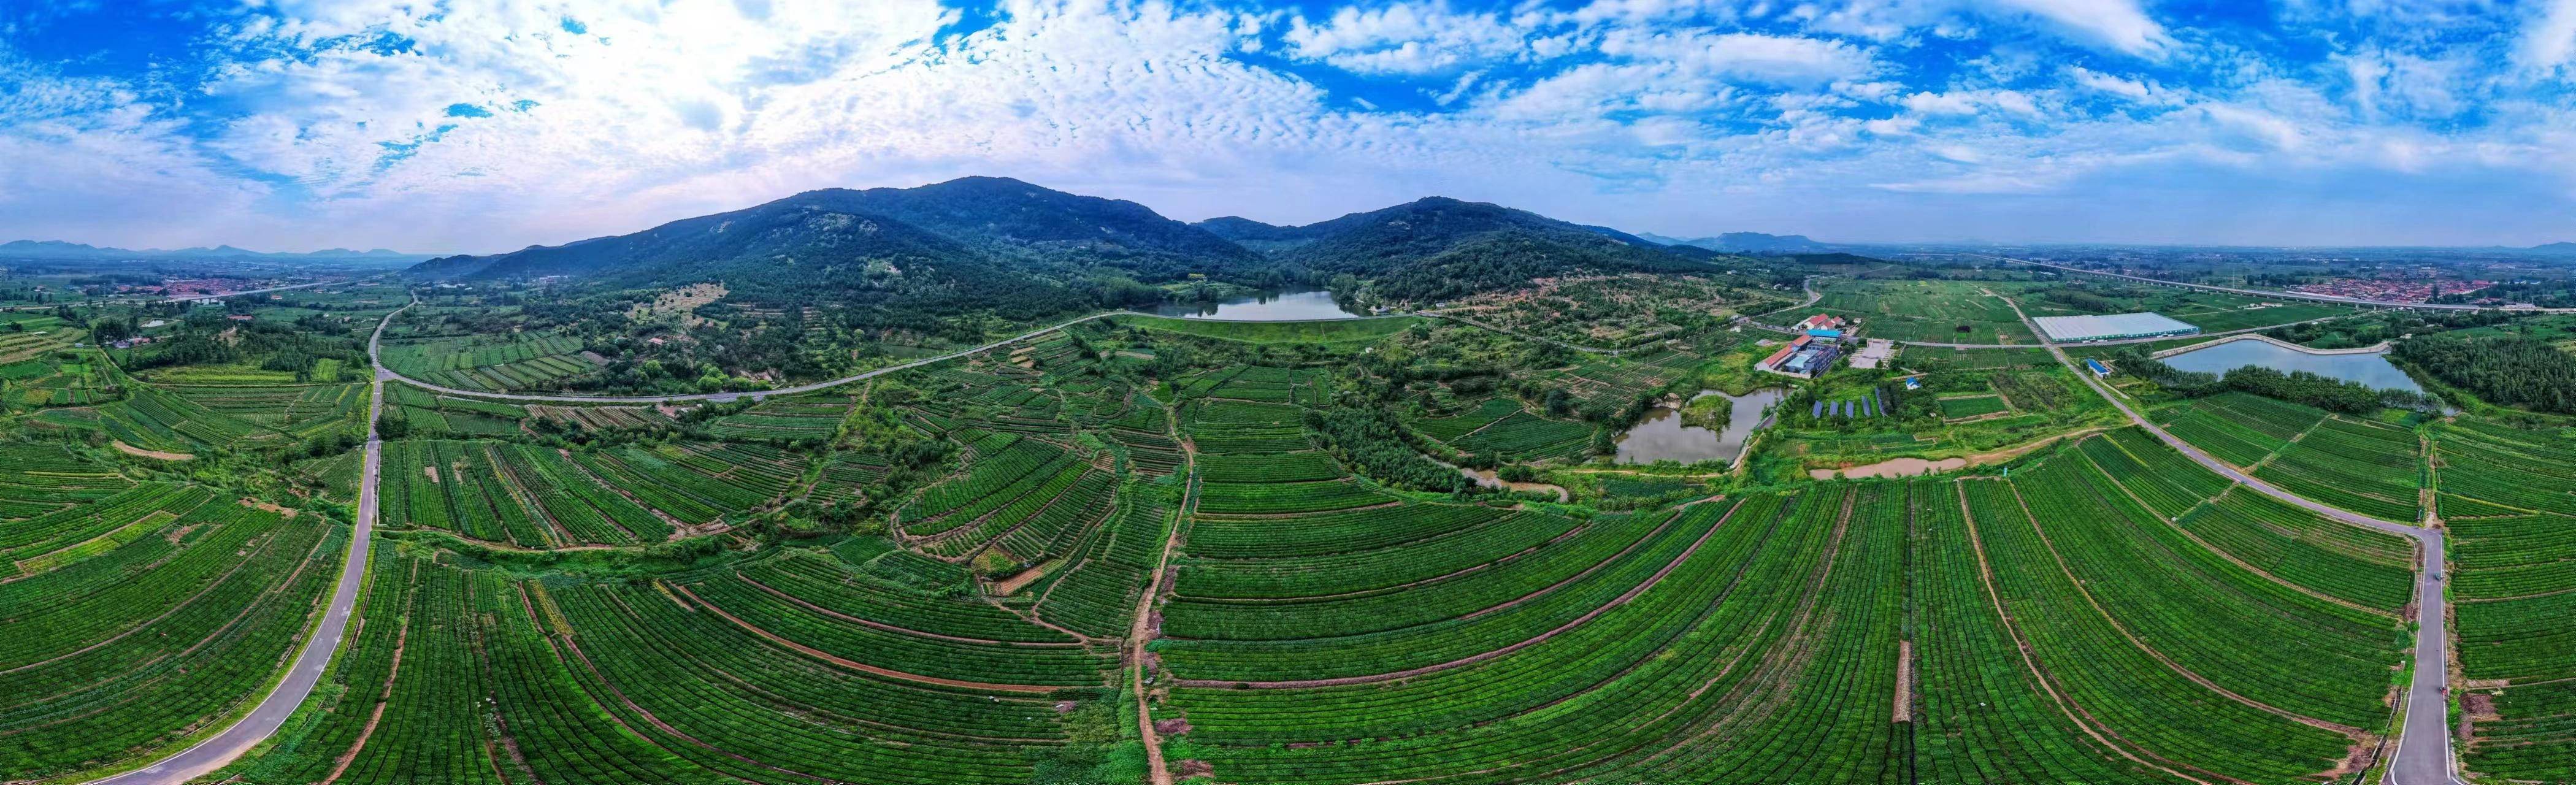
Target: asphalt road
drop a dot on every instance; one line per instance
(2423, 755)
(223, 747)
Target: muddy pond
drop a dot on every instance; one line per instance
(1664, 437)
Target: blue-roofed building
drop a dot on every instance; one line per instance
(2097, 367)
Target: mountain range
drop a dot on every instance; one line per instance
(57, 249)
(1023, 250)
(1750, 242)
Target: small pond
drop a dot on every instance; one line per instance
(1662, 436)
(1282, 306)
(2372, 369)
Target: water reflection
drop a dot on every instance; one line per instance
(1662, 436)
(2372, 369)
(1285, 306)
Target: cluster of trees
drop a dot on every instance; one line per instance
(205, 337)
(1373, 441)
(2506, 370)
(2323, 392)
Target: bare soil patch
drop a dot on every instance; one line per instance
(154, 454)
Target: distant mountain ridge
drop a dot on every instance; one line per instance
(950, 245)
(1750, 242)
(57, 249)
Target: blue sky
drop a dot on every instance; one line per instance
(474, 126)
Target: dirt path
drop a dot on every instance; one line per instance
(1143, 629)
(153, 454)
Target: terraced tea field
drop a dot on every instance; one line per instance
(1046, 568)
(2509, 498)
(2369, 468)
(135, 618)
(2025, 630)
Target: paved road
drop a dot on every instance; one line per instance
(223, 747)
(2423, 754)
(2323, 298)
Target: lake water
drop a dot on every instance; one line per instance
(1662, 436)
(2372, 369)
(1290, 306)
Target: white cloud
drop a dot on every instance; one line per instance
(2120, 24)
(1404, 38)
(2139, 91)
(1973, 102)
(2549, 38)
(1612, 111)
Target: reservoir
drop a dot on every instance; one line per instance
(2372, 369)
(1284, 306)
(1663, 437)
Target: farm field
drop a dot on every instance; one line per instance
(1396, 643)
(119, 644)
(1910, 310)
(1027, 565)
(2503, 493)
(2369, 468)
(482, 362)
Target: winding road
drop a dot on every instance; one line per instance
(226, 745)
(2424, 755)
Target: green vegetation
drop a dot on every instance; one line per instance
(1251, 541)
(1335, 331)
(2506, 496)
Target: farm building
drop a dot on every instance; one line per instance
(2075, 329)
(2096, 367)
(1805, 356)
(1824, 321)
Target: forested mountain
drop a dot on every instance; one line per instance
(794, 250)
(1003, 219)
(1026, 251)
(1256, 235)
(1438, 247)
(1045, 227)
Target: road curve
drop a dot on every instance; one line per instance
(2424, 755)
(217, 751)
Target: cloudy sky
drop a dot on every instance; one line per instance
(482, 125)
